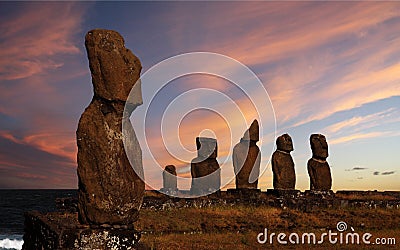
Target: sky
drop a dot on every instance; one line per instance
(328, 67)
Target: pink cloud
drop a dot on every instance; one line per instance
(304, 49)
(33, 39)
(31, 176)
(40, 43)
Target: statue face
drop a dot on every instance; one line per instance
(170, 169)
(319, 146)
(115, 69)
(284, 143)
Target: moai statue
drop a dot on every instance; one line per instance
(110, 190)
(247, 159)
(205, 170)
(318, 169)
(169, 179)
(282, 164)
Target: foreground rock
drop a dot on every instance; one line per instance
(318, 168)
(247, 159)
(282, 164)
(110, 191)
(63, 231)
(205, 170)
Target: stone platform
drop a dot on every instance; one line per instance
(244, 193)
(61, 230)
(285, 193)
(319, 194)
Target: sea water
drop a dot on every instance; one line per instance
(13, 204)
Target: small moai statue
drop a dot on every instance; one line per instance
(247, 159)
(205, 170)
(169, 180)
(282, 164)
(318, 168)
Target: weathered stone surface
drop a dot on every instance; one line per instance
(321, 194)
(205, 170)
(247, 159)
(206, 148)
(67, 204)
(319, 146)
(169, 179)
(318, 168)
(114, 68)
(253, 133)
(320, 174)
(282, 164)
(284, 193)
(284, 143)
(110, 191)
(63, 231)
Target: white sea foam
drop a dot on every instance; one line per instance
(11, 244)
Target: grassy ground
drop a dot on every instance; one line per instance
(237, 227)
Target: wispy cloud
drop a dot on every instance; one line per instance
(357, 168)
(362, 122)
(358, 127)
(25, 166)
(358, 136)
(333, 57)
(36, 36)
(40, 42)
(339, 58)
(384, 173)
(388, 173)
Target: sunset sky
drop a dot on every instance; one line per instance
(328, 67)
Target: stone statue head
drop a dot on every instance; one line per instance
(115, 69)
(171, 169)
(319, 146)
(252, 133)
(284, 143)
(206, 147)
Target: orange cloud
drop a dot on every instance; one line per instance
(62, 144)
(298, 55)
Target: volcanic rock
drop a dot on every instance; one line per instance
(318, 168)
(282, 164)
(206, 148)
(169, 179)
(205, 170)
(247, 159)
(253, 133)
(319, 146)
(110, 190)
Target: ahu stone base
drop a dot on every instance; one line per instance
(245, 193)
(285, 193)
(63, 231)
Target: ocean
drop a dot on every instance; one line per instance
(13, 204)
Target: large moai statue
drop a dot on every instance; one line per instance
(247, 159)
(110, 191)
(169, 179)
(205, 170)
(318, 168)
(282, 164)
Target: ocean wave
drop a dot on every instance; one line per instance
(11, 244)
